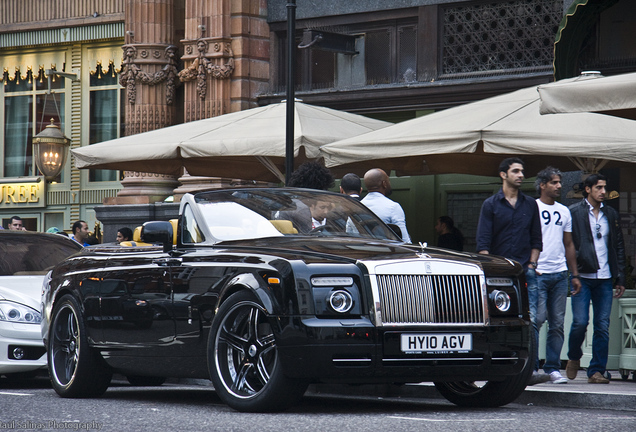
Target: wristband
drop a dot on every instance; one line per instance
(574, 277)
(534, 264)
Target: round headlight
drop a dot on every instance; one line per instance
(341, 301)
(501, 300)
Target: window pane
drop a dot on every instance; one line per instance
(103, 77)
(322, 69)
(122, 113)
(103, 126)
(15, 83)
(46, 104)
(18, 130)
(378, 56)
(42, 81)
(407, 67)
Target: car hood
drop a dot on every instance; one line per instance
(26, 290)
(324, 249)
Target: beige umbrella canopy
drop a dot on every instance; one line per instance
(591, 92)
(474, 138)
(248, 144)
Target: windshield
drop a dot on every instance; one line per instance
(27, 253)
(257, 213)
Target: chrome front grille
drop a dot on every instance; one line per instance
(430, 299)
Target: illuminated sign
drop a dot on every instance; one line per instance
(22, 192)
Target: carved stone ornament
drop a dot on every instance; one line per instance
(202, 66)
(132, 74)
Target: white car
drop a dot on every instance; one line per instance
(25, 258)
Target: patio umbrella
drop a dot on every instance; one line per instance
(248, 144)
(475, 137)
(614, 95)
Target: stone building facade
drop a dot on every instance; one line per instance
(147, 64)
(140, 65)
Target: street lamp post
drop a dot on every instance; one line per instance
(291, 60)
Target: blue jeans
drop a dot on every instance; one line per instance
(550, 299)
(600, 292)
(533, 298)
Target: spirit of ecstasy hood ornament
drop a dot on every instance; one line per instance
(423, 253)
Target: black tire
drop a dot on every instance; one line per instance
(75, 369)
(243, 359)
(488, 394)
(145, 381)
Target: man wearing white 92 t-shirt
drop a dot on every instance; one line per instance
(548, 300)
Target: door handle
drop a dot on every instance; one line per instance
(167, 262)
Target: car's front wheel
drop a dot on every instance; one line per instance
(243, 359)
(75, 369)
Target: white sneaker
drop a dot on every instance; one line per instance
(557, 378)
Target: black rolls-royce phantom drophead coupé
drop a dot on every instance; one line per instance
(257, 295)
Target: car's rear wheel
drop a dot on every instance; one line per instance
(487, 394)
(75, 369)
(243, 359)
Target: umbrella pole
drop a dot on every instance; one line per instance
(291, 62)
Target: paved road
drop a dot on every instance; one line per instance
(177, 407)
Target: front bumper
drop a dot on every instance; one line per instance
(28, 339)
(357, 352)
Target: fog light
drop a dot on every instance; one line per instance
(341, 301)
(18, 353)
(501, 300)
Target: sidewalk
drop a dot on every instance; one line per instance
(617, 395)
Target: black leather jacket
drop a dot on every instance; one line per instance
(584, 242)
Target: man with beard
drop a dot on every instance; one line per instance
(549, 300)
(600, 256)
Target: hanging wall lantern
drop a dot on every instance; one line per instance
(50, 148)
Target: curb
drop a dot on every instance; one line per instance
(539, 396)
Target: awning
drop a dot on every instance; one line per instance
(574, 28)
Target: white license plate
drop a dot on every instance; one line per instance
(436, 342)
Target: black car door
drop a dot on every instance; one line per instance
(136, 303)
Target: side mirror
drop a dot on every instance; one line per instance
(158, 232)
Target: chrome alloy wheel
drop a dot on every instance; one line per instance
(65, 345)
(245, 351)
